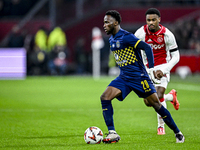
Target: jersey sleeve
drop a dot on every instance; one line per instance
(140, 34)
(131, 40)
(174, 60)
(170, 40)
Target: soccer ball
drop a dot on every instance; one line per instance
(93, 135)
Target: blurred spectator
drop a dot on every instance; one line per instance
(57, 45)
(37, 52)
(36, 62)
(187, 33)
(57, 63)
(56, 37)
(48, 52)
(198, 46)
(41, 38)
(15, 38)
(80, 56)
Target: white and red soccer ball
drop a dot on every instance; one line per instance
(93, 135)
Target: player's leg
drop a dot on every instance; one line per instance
(160, 92)
(154, 102)
(116, 89)
(109, 94)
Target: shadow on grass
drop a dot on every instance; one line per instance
(42, 145)
(10, 145)
(51, 137)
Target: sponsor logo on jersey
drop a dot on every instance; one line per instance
(156, 46)
(121, 62)
(113, 45)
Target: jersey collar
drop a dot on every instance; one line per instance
(118, 34)
(157, 32)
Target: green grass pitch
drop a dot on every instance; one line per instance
(52, 113)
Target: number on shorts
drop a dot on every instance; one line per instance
(145, 84)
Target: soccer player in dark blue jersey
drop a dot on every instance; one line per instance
(126, 49)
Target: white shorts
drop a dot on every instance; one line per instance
(165, 79)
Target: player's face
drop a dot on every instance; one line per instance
(109, 24)
(153, 21)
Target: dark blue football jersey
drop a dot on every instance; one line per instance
(127, 56)
(126, 49)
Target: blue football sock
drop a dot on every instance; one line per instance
(165, 114)
(108, 113)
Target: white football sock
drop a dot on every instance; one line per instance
(168, 97)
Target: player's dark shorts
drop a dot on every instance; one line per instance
(143, 87)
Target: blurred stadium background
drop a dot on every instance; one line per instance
(29, 24)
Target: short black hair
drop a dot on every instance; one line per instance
(115, 14)
(153, 11)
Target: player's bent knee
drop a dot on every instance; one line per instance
(154, 101)
(160, 96)
(147, 103)
(156, 105)
(102, 97)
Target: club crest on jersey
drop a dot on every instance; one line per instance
(118, 44)
(160, 39)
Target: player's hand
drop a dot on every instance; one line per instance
(154, 77)
(159, 74)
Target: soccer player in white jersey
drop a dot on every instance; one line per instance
(166, 56)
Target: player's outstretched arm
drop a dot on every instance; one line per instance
(174, 60)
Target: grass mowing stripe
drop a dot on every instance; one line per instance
(186, 87)
(89, 110)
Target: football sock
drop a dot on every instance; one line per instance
(160, 120)
(108, 113)
(161, 100)
(168, 119)
(168, 97)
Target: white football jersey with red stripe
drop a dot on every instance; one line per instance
(161, 42)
